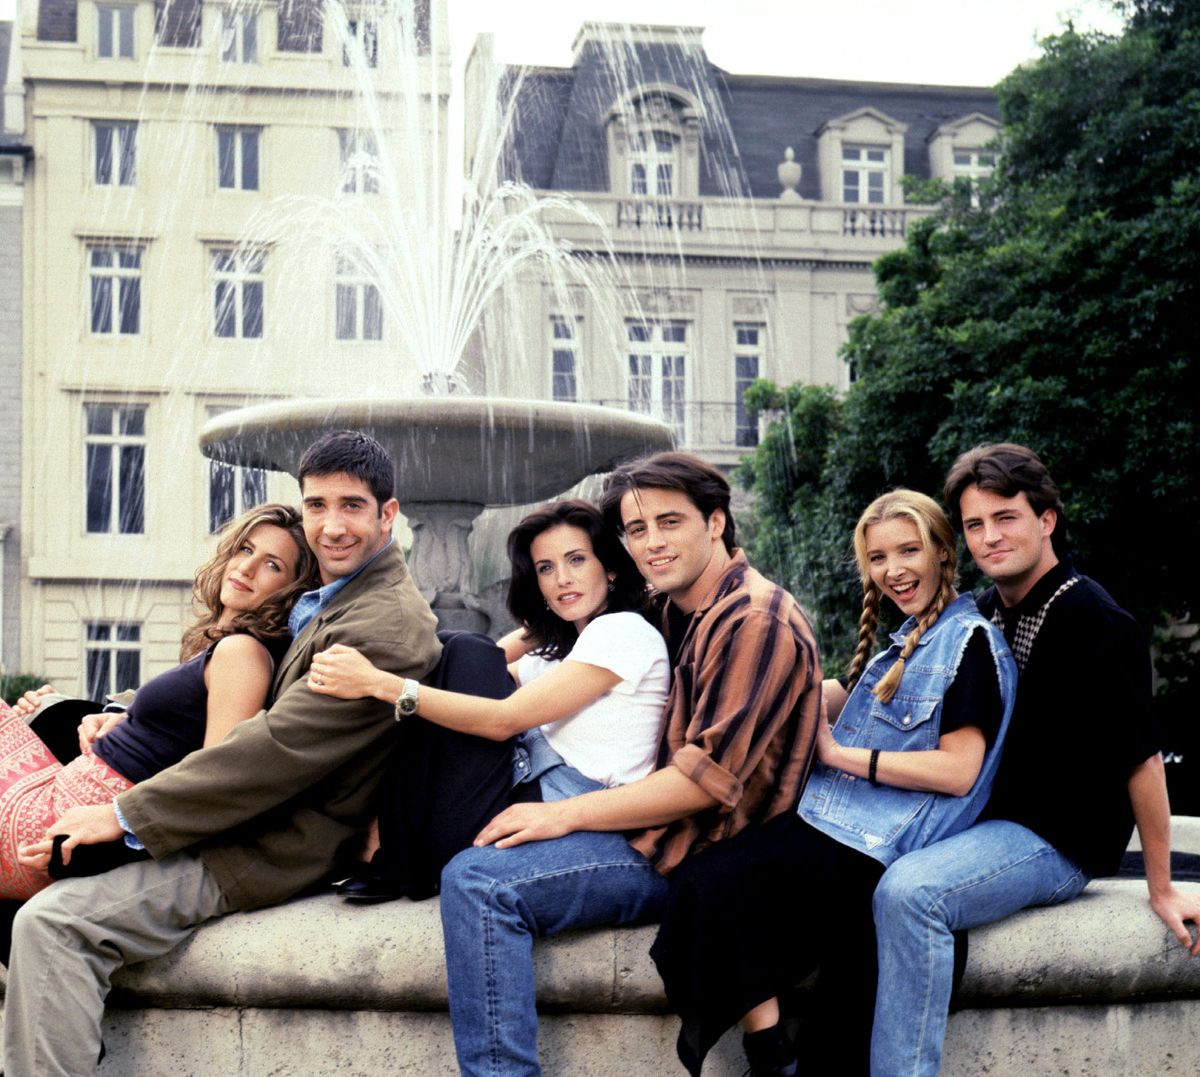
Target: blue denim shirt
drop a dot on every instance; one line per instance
(881, 820)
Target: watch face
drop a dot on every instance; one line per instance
(408, 705)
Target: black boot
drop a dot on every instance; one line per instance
(770, 1053)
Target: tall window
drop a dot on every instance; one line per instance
(360, 162)
(364, 39)
(652, 164)
(115, 153)
(114, 31)
(239, 36)
(748, 341)
(564, 345)
(115, 468)
(112, 657)
(115, 281)
(237, 158)
(359, 310)
(238, 292)
(658, 371)
(864, 174)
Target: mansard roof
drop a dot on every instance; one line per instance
(561, 141)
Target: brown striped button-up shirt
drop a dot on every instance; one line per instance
(741, 717)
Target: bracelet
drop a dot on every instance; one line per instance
(874, 765)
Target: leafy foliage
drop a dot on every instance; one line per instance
(1061, 314)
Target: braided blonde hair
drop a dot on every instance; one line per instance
(936, 535)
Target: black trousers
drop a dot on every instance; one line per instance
(441, 787)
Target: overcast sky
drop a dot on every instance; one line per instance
(954, 42)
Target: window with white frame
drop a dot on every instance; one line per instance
(115, 153)
(362, 40)
(749, 342)
(657, 371)
(238, 282)
(360, 162)
(974, 164)
(114, 445)
(239, 35)
(112, 657)
(358, 307)
(232, 489)
(564, 356)
(115, 289)
(237, 157)
(114, 31)
(653, 163)
(865, 174)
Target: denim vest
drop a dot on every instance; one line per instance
(881, 820)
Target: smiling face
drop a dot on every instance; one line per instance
(901, 566)
(1010, 543)
(263, 564)
(675, 548)
(344, 524)
(569, 574)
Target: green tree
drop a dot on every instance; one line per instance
(1061, 313)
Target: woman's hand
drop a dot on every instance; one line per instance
(519, 823)
(96, 725)
(31, 700)
(88, 825)
(345, 673)
(827, 747)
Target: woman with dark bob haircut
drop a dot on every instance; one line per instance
(592, 672)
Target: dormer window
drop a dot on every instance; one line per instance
(865, 174)
(652, 165)
(653, 143)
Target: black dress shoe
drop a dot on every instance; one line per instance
(371, 890)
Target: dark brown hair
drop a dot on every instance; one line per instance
(353, 453)
(702, 484)
(268, 621)
(554, 636)
(1007, 469)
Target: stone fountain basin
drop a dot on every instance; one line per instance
(479, 450)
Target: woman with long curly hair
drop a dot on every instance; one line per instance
(910, 760)
(241, 598)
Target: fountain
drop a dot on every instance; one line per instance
(455, 456)
(438, 281)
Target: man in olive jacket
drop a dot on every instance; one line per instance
(251, 820)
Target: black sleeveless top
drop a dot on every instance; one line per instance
(166, 720)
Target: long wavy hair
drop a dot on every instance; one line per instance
(555, 637)
(266, 622)
(937, 536)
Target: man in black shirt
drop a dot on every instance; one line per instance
(1081, 764)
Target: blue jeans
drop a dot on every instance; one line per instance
(495, 902)
(977, 877)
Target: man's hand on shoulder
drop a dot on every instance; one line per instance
(1176, 908)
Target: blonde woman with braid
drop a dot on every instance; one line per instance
(910, 760)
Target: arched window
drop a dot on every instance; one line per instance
(652, 163)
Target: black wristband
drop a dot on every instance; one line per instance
(873, 767)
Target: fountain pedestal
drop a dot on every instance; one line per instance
(454, 456)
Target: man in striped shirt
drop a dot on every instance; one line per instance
(736, 741)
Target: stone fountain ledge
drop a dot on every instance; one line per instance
(317, 987)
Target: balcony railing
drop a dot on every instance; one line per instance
(703, 426)
(874, 223)
(657, 213)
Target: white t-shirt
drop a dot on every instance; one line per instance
(614, 738)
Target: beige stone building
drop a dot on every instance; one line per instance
(208, 209)
(163, 283)
(744, 213)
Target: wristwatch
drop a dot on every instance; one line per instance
(406, 703)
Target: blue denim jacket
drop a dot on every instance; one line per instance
(881, 820)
